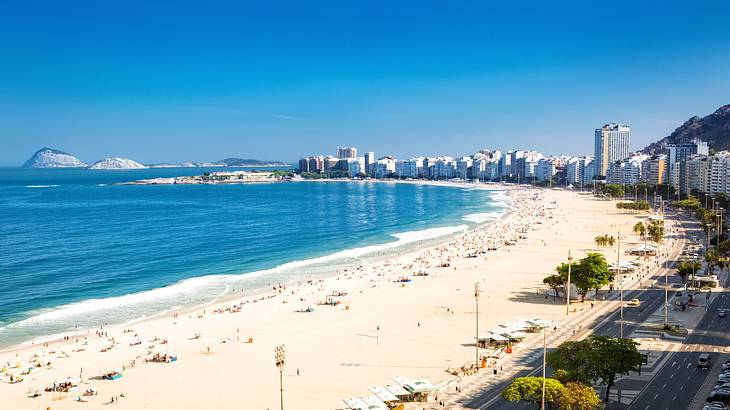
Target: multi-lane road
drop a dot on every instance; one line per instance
(652, 299)
(676, 384)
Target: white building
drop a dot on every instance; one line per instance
(611, 144)
(384, 167)
(627, 171)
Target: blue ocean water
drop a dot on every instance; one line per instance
(77, 250)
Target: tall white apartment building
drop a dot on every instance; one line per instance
(611, 144)
(346, 152)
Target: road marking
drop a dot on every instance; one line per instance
(656, 395)
(665, 385)
(672, 376)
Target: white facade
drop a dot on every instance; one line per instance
(611, 144)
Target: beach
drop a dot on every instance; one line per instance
(342, 334)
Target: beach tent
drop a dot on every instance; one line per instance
(375, 403)
(424, 386)
(384, 394)
(356, 404)
(398, 391)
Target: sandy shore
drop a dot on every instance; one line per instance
(380, 329)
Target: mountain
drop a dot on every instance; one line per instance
(713, 128)
(116, 163)
(238, 162)
(53, 158)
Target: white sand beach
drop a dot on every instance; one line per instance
(381, 328)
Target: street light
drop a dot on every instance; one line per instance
(476, 344)
(620, 284)
(567, 289)
(280, 356)
(544, 357)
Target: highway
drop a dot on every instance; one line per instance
(651, 298)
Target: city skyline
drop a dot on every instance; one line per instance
(275, 83)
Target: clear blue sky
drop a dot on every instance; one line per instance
(195, 81)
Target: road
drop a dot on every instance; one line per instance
(651, 298)
(675, 385)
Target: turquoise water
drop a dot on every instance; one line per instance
(76, 250)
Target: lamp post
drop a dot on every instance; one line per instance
(620, 284)
(544, 356)
(476, 344)
(280, 356)
(567, 288)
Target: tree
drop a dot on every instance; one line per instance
(529, 389)
(656, 231)
(599, 358)
(555, 281)
(613, 190)
(600, 241)
(640, 229)
(591, 272)
(686, 268)
(712, 259)
(578, 396)
(724, 247)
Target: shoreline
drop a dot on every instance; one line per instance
(410, 248)
(382, 328)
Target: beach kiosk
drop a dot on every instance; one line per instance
(356, 403)
(390, 399)
(398, 391)
(420, 388)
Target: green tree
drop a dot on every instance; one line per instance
(529, 389)
(599, 358)
(613, 190)
(640, 229)
(556, 281)
(656, 231)
(591, 272)
(686, 268)
(724, 247)
(712, 259)
(578, 396)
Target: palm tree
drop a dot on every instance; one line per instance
(640, 229)
(712, 259)
(610, 240)
(600, 240)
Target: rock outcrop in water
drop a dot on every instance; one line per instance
(116, 163)
(53, 158)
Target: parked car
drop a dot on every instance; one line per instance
(715, 405)
(721, 313)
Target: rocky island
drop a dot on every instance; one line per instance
(116, 163)
(53, 158)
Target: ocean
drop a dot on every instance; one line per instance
(78, 251)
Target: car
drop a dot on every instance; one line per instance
(721, 313)
(634, 302)
(704, 360)
(715, 405)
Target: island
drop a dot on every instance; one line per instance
(220, 177)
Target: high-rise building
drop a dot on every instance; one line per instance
(677, 153)
(611, 145)
(346, 152)
(369, 161)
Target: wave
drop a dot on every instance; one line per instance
(482, 217)
(41, 186)
(133, 307)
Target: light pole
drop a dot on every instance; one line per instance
(544, 357)
(666, 299)
(476, 344)
(620, 285)
(280, 356)
(567, 288)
